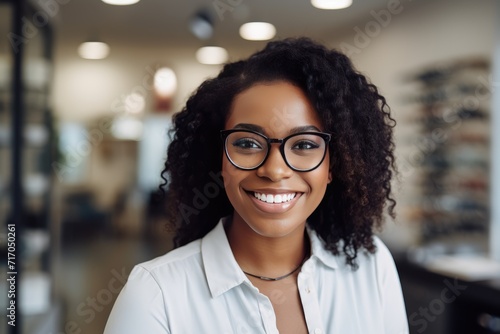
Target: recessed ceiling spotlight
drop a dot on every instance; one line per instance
(120, 2)
(93, 50)
(257, 31)
(331, 4)
(211, 55)
(201, 25)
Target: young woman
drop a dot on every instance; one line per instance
(279, 172)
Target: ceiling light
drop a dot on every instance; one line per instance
(165, 82)
(211, 55)
(331, 4)
(120, 2)
(257, 31)
(93, 50)
(201, 25)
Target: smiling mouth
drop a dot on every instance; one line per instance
(276, 198)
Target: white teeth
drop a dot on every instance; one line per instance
(278, 198)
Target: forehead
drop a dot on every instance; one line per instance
(277, 107)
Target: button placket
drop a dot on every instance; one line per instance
(309, 300)
(268, 316)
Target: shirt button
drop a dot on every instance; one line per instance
(308, 290)
(318, 331)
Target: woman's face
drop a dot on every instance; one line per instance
(276, 110)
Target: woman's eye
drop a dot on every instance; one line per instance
(246, 143)
(305, 145)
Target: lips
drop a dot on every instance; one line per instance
(274, 198)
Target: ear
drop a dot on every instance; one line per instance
(329, 177)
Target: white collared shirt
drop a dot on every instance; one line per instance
(199, 288)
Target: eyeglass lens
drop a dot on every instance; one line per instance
(248, 150)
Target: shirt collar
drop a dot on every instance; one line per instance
(319, 251)
(222, 271)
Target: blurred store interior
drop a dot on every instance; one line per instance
(87, 93)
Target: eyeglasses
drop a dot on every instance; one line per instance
(248, 150)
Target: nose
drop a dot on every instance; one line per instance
(275, 167)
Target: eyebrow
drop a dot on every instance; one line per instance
(304, 128)
(257, 128)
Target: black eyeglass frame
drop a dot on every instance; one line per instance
(326, 137)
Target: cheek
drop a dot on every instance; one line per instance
(227, 172)
(319, 180)
(230, 175)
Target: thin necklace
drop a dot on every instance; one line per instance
(264, 278)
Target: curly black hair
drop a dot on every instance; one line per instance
(352, 111)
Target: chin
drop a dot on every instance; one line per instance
(275, 227)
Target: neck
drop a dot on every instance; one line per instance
(266, 256)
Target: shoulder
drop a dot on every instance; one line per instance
(377, 264)
(380, 263)
(153, 281)
(382, 253)
(141, 305)
(381, 258)
(364, 259)
(182, 254)
(186, 263)
(152, 287)
(170, 265)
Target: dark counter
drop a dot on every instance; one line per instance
(436, 303)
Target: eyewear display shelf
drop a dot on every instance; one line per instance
(451, 110)
(26, 181)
